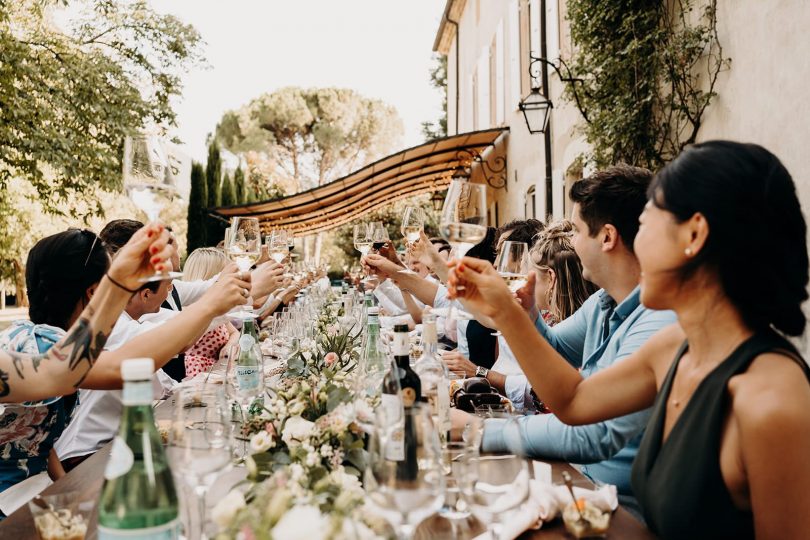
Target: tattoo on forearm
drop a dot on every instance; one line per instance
(20, 360)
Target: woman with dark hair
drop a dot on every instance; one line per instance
(63, 275)
(725, 452)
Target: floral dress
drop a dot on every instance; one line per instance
(29, 430)
(203, 354)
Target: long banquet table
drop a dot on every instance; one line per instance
(87, 478)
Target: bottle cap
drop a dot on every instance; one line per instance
(401, 328)
(373, 310)
(137, 369)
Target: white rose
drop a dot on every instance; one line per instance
(296, 430)
(226, 509)
(261, 442)
(302, 523)
(355, 530)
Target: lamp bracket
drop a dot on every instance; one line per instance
(494, 173)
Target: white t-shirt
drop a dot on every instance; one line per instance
(96, 419)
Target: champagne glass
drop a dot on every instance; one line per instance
(290, 241)
(199, 445)
(150, 181)
(497, 485)
(379, 235)
(512, 263)
(413, 223)
(409, 486)
(362, 238)
(244, 247)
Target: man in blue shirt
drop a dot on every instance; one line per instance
(609, 326)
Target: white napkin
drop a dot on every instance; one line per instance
(19, 494)
(547, 501)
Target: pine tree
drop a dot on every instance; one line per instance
(228, 192)
(197, 203)
(213, 177)
(239, 186)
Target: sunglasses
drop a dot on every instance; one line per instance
(92, 246)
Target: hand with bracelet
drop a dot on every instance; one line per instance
(25, 377)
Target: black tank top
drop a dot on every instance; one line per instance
(482, 344)
(679, 484)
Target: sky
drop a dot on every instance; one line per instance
(381, 48)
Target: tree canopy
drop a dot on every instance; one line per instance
(311, 136)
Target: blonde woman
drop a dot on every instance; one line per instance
(203, 264)
(560, 288)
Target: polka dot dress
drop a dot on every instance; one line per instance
(203, 354)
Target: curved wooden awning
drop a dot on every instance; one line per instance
(421, 169)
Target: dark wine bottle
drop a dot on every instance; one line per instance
(411, 388)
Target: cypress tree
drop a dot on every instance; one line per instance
(213, 177)
(239, 186)
(197, 203)
(228, 192)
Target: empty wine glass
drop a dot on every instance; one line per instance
(199, 445)
(150, 181)
(244, 247)
(409, 489)
(497, 485)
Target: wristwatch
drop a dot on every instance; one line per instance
(481, 371)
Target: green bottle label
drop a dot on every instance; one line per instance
(168, 531)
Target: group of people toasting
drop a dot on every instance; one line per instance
(654, 327)
(675, 380)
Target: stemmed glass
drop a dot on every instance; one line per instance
(409, 489)
(497, 485)
(244, 247)
(362, 238)
(413, 223)
(150, 181)
(199, 445)
(278, 245)
(512, 263)
(379, 235)
(464, 216)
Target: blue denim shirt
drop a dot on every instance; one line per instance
(597, 335)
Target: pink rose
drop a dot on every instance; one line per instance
(330, 358)
(270, 428)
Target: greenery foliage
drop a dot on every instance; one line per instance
(438, 79)
(307, 137)
(197, 203)
(644, 73)
(228, 191)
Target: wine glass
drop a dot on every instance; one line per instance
(497, 485)
(512, 263)
(379, 235)
(199, 445)
(413, 223)
(278, 245)
(150, 181)
(464, 216)
(405, 486)
(244, 247)
(362, 238)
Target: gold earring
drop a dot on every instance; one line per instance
(688, 252)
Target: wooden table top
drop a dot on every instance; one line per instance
(87, 479)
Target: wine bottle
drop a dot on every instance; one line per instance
(435, 378)
(138, 499)
(411, 388)
(393, 413)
